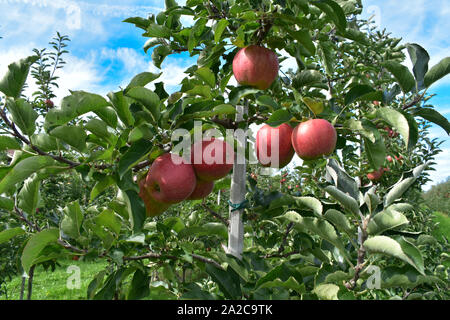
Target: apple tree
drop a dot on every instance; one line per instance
(330, 230)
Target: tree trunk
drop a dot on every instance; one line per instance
(237, 192)
(30, 282)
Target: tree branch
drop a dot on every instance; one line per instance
(152, 255)
(215, 214)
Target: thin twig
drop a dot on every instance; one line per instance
(215, 214)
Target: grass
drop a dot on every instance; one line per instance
(48, 285)
(443, 229)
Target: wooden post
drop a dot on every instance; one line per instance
(237, 192)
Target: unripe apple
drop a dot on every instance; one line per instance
(255, 66)
(212, 160)
(202, 190)
(170, 179)
(376, 175)
(314, 138)
(153, 208)
(278, 140)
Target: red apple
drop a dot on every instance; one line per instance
(153, 208)
(314, 138)
(49, 103)
(170, 179)
(389, 159)
(277, 139)
(202, 190)
(376, 175)
(377, 103)
(212, 160)
(256, 66)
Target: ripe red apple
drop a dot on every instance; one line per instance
(170, 180)
(153, 208)
(389, 159)
(377, 103)
(376, 175)
(255, 66)
(212, 160)
(277, 139)
(202, 190)
(314, 138)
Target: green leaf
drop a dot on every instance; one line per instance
(140, 286)
(141, 80)
(345, 200)
(108, 115)
(45, 142)
(376, 152)
(144, 131)
(28, 197)
(397, 120)
(341, 179)
(311, 203)
(402, 74)
(238, 93)
(322, 228)
(327, 55)
(71, 222)
(228, 281)
(109, 220)
(13, 81)
(159, 54)
(413, 135)
(9, 143)
(307, 78)
(101, 186)
(73, 136)
(6, 204)
(100, 129)
(304, 38)
(220, 28)
(402, 185)
(290, 284)
(279, 117)
(122, 107)
(420, 58)
(8, 234)
(73, 106)
(390, 247)
(327, 291)
(23, 170)
(437, 72)
(433, 116)
(406, 277)
(22, 115)
(413, 253)
(136, 210)
(334, 12)
(267, 101)
(386, 220)
(207, 76)
(138, 151)
(156, 31)
(148, 98)
(339, 220)
(359, 92)
(36, 244)
(216, 228)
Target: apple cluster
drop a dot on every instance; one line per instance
(171, 179)
(258, 67)
(311, 140)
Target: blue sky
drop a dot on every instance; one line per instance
(106, 53)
